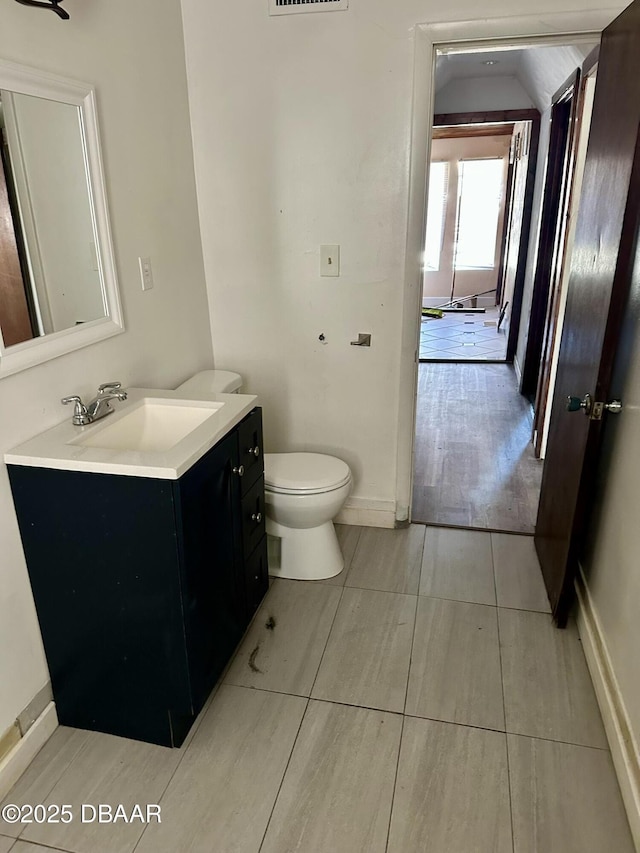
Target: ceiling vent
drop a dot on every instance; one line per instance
(290, 7)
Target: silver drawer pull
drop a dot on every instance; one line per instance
(239, 470)
(254, 451)
(257, 517)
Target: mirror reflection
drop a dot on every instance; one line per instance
(50, 275)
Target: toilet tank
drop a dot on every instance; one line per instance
(212, 382)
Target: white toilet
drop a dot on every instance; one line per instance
(303, 494)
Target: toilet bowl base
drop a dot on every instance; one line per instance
(306, 554)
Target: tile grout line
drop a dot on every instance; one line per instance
(204, 711)
(395, 783)
(347, 570)
(415, 624)
(221, 682)
(335, 615)
(38, 845)
(406, 692)
(18, 837)
(344, 704)
(504, 703)
(446, 525)
(275, 799)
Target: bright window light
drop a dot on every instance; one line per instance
(436, 207)
(479, 199)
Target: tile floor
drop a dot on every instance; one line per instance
(421, 701)
(463, 337)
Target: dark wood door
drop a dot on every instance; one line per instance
(15, 320)
(601, 269)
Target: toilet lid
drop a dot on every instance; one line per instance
(304, 472)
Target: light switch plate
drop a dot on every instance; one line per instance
(330, 261)
(146, 273)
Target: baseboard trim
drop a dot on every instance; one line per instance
(368, 513)
(435, 301)
(20, 757)
(516, 367)
(624, 749)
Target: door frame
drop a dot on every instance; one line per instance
(512, 117)
(555, 199)
(555, 314)
(482, 34)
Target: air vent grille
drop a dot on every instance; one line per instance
(290, 7)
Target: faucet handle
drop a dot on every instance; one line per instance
(109, 386)
(80, 414)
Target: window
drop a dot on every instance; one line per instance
(479, 197)
(436, 207)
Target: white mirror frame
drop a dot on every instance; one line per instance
(29, 81)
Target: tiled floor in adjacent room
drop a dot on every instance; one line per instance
(463, 336)
(421, 701)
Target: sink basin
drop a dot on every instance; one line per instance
(150, 425)
(154, 433)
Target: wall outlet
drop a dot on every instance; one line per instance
(146, 273)
(330, 261)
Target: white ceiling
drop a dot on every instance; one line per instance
(539, 70)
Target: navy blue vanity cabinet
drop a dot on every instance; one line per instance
(143, 586)
(252, 516)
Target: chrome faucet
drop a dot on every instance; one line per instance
(99, 407)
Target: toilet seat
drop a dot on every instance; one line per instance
(304, 473)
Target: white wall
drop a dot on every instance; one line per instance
(546, 70)
(611, 563)
(613, 573)
(302, 130)
(477, 94)
(134, 54)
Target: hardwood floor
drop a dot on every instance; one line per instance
(474, 461)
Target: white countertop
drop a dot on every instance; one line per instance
(55, 448)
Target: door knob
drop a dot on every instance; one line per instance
(575, 404)
(255, 451)
(239, 470)
(593, 410)
(257, 517)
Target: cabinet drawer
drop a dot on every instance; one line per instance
(250, 448)
(256, 577)
(253, 517)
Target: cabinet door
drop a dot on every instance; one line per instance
(253, 517)
(212, 593)
(250, 447)
(256, 577)
(103, 562)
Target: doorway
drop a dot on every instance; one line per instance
(465, 219)
(474, 463)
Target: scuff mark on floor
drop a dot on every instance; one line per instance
(270, 623)
(252, 659)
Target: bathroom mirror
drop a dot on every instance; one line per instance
(58, 288)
